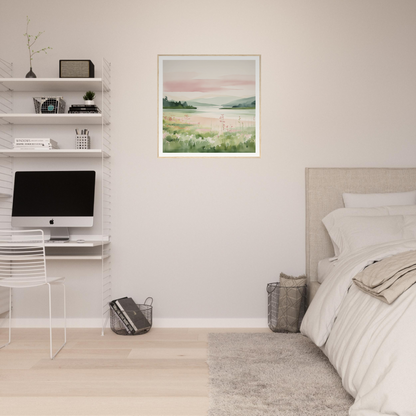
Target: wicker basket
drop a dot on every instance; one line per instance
(117, 326)
(49, 105)
(280, 319)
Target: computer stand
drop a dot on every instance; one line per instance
(59, 234)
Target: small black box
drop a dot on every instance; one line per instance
(75, 68)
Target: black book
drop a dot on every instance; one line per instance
(121, 317)
(84, 108)
(133, 314)
(84, 112)
(92, 109)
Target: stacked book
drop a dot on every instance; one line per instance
(83, 109)
(35, 144)
(130, 315)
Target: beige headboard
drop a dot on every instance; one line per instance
(324, 189)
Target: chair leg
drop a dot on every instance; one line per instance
(50, 321)
(63, 285)
(10, 319)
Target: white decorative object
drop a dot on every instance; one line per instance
(49, 105)
(89, 98)
(82, 141)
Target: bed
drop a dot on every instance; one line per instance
(370, 343)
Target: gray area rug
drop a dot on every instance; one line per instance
(272, 374)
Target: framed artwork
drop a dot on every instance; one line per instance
(209, 105)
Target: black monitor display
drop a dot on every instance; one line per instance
(53, 198)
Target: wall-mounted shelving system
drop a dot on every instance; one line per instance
(86, 251)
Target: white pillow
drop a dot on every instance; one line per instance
(352, 233)
(333, 218)
(379, 200)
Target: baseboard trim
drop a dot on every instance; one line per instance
(44, 323)
(210, 323)
(157, 323)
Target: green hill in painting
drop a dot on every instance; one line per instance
(243, 103)
(167, 104)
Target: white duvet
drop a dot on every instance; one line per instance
(370, 343)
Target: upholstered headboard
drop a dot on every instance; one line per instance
(324, 189)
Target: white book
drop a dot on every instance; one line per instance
(23, 149)
(34, 148)
(29, 139)
(34, 145)
(35, 140)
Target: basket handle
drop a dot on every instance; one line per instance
(151, 303)
(271, 287)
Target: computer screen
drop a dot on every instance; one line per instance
(53, 199)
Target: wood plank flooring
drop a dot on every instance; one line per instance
(162, 373)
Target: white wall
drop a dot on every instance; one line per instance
(204, 236)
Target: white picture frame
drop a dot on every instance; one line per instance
(209, 105)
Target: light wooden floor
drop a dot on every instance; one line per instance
(162, 373)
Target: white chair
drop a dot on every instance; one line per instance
(23, 265)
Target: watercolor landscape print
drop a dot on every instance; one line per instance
(209, 106)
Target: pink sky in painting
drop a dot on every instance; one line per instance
(192, 79)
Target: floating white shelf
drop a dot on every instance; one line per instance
(52, 84)
(86, 257)
(60, 119)
(60, 244)
(75, 244)
(82, 153)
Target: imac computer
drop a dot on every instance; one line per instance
(54, 199)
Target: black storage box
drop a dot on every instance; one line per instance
(75, 68)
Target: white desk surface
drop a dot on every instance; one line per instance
(74, 243)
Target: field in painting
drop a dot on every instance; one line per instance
(209, 130)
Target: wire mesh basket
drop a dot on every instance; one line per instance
(286, 307)
(117, 326)
(49, 105)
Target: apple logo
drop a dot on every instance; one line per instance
(51, 222)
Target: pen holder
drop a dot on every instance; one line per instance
(82, 141)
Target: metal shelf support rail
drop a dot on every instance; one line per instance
(6, 166)
(106, 190)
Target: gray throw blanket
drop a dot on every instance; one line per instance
(389, 278)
